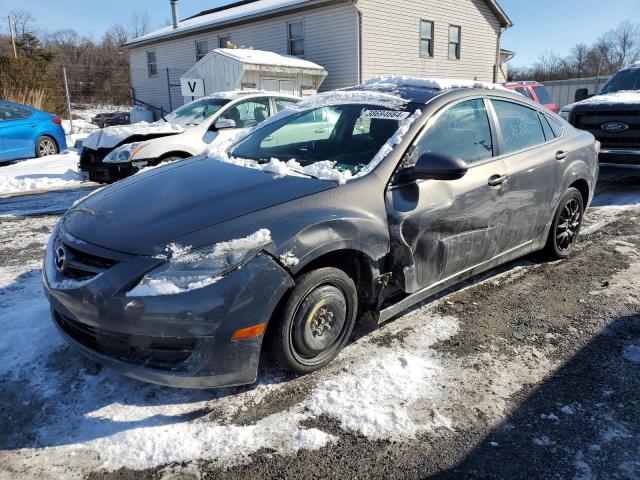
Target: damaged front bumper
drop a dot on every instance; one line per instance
(181, 340)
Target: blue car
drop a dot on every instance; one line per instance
(26, 132)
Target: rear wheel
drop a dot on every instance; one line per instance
(46, 146)
(316, 322)
(566, 224)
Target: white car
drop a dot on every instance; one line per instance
(116, 152)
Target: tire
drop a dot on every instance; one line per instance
(46, 146)
(566, 225)
(316, 321)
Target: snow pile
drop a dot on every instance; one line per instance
(155, 287)
(433, 83)
(54, 171)
(288, 259)
(109, 137)
(262, 57)
(324, 169)
(175, 253)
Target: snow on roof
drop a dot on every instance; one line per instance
(218, 17)
(632, 65)
(262, 57)
(433, 83)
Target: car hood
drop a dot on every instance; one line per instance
(145, 212)
(612, 101)
(110, 137)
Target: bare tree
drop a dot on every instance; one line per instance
(23, 22)
(624, 44)
(139, 23)
(579, 62)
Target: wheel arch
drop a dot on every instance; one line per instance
(583, 187)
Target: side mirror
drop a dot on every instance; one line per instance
(223, 123)
(434, 166)
(582, 94)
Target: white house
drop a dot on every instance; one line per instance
(353, 40)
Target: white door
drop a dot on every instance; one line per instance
(287, 86)
(269, 85)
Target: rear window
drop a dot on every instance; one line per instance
(543, 95)
(548, 131)
(524, 91)
(628, 79)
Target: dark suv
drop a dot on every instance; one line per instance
(612, 116)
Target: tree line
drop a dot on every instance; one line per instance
(613, 50)
(97, 70)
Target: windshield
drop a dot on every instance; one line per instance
(194, 113)
(348, 135)
(624, 80)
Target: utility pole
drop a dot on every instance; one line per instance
(13, 38)
(66, 91)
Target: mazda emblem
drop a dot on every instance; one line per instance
(60, 258)
(614, 127)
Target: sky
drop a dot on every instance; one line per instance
(539, 25)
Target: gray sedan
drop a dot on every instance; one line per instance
(353, 204)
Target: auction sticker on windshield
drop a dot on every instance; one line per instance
(388, 114)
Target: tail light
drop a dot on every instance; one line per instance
(598, 146)
(56, 120)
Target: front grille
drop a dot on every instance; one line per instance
(161, 353)
(591, 121)
(83, 266)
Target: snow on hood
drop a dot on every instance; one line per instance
(624, 96)
(325, 169)
(109, 137)
(434, 83)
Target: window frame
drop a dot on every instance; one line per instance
(206, 48)
(458, 45)
(291, 39)
(152, 65)
(431, 40)
(225, 36)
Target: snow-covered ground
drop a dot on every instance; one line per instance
(392, 384)
(54, 171)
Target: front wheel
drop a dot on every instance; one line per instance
(46, 146)
(316, 322)
(566, 224)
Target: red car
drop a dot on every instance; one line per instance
(535, 91)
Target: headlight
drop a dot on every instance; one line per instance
(189, 269)
(564, 114)
(124, 153)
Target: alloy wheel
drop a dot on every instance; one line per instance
(568, 224)
(46, 147)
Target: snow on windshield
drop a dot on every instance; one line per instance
(324, 169)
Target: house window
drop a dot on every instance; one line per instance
(202, 48)
(426, 38)
(224, 41)
(295, 38)
(152, 64)
(455, 34)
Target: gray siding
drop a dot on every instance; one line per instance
(331, 38)
(391, 38)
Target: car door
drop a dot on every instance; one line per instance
(441, 228)
(18, 131)
(532, 167)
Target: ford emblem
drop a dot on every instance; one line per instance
(614, 127)
(60, 258)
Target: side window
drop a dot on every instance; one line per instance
(248, 113)
(520, 125)
(524, 91)
(295, 39)
(10, 112)
(462, 131)
(282, 103)
(548, 131)
(224, 41)
(556, 126)
(202, 48)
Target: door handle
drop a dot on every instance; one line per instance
(561, 155)
(496, 180)
(320, 130)
(32, 124)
